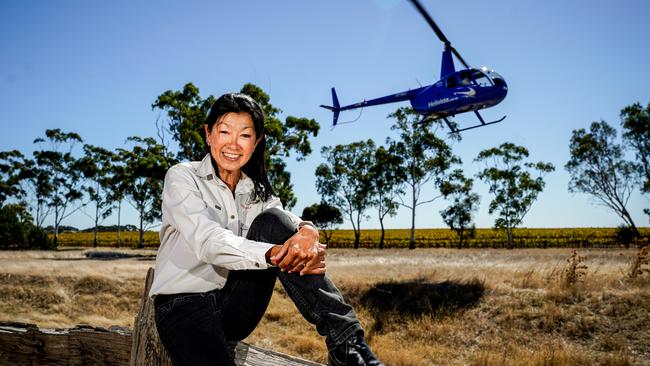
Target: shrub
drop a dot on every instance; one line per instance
(625, 235)
(640, 264)
(18, 232)
(575, 270)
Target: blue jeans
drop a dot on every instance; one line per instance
(202, 328)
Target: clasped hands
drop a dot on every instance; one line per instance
(300, 253)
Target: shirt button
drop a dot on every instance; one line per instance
(257, 265)
(232, 217)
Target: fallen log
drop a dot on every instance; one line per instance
(26, 344)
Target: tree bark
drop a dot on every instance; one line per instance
(381, 239)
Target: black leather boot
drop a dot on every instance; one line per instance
(353, 352)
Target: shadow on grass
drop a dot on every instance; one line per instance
(390, 301)
(108, 256)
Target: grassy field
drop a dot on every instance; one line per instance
(399, 238)
(454, 307)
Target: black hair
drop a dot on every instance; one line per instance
(255, 168)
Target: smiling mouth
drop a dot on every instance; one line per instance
(231, 156)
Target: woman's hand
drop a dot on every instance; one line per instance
(301, 253)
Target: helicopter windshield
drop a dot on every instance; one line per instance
(496, 78)
(480, 78)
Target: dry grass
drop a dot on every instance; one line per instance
(525, 314)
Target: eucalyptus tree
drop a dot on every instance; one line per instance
(514, 183)
(145, 165)
(425, 158)
(459, 215)
(56, 175)
(186, 111)
(385, 177)
(597, 168)
(119, 181)
(97, 167)
(37, 184)
(325, 216)
(12, 165)
(343, 180)
(635, 121)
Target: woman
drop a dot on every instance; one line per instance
(225, 239)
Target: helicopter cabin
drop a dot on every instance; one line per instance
(473, 77)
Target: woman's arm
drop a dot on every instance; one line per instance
(184, 208)
(302, 252)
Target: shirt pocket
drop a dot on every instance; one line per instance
(217, 214)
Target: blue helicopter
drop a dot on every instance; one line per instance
(466, 90)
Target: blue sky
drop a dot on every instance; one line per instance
(95, 68)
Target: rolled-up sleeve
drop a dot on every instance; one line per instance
(186, 211)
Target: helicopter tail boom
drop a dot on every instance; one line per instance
(336, 107)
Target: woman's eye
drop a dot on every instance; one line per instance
(246, 136)
(223, 132)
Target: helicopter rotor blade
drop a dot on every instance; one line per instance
(459, 57)
(438, 31)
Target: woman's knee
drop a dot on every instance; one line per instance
(272, 225)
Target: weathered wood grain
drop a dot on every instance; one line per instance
(26, 344)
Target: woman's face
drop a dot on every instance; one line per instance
(232, 141)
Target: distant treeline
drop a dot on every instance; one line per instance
(425, 238)
(100, 229)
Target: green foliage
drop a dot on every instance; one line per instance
(18, 232)
(464, 203)
(324, 216)
(424, 157)
(142, 173)
(598, 169)
(385, 178)
(11, 167)
(97, 167)
(343, 180)
(511, 183)
(56, 177)
(282, 138)
(636, 132)
(186, 112)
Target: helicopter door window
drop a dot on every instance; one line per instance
(451, 82)
(465, 79)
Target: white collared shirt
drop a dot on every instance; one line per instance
(203, 230)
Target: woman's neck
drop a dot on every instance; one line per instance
(227, 176)
(230, 178)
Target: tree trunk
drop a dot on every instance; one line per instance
(460, 242)
(510, 240)
(357, 237)
(95, 229)
(412, 239)
(381, 240)
(56, 226)
(627, 216)
(141, 241)
(119, 213)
